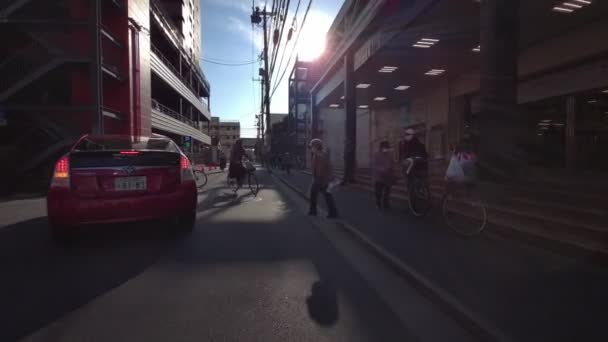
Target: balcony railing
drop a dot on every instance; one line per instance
(174, 68)
(160, 11)
(177, 35)
(170, 112)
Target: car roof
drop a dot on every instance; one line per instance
(119, 136)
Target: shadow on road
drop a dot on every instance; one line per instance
(323, 303)
(42, 282)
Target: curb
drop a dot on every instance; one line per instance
(477, 325)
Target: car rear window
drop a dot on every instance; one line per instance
(118, 143)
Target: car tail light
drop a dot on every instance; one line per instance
(186, 169)
(61, 174)
(129, 153)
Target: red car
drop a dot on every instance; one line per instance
(112, 178)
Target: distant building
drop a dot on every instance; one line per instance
(249, 143)
(303, 77)
(280, 140)
(276, 118)
(224, 134)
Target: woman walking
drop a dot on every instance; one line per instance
(383, 175)
(236, 169)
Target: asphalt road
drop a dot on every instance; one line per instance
(254, 269)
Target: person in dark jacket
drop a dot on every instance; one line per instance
(411, 146)
(410, 149)
(237, 169)
(322, 174)
(383, 175)
(222, 161)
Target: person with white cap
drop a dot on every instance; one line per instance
(412, 152)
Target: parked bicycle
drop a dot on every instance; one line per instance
(463, 209)
(200, 176)
(462, 205)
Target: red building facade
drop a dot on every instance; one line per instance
(70, 67)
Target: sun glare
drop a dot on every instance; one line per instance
(312, 40)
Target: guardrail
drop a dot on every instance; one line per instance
(173, 68)
(160, 11)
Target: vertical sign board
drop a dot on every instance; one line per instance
(3, 118)
(187, 140)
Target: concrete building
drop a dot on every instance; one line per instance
(113, 67)
(277, 117)
(303, 76)
(281, 142)
(225, 133)
(527, 80)
(250, 145)
(278, 124)
(379, 79)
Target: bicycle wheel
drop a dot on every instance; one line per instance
(419, 198)
(201, 179)
(464, 213)
(253, 183)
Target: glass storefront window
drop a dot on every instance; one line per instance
(591, 130)
(547, 130)
(581, 129)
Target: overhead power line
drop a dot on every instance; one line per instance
(220, 60)
(283, 18)
(295, 45)
(289, 35)
(229, 64)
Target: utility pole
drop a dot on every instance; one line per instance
(266, 79)
(262, 109)
(256, 17)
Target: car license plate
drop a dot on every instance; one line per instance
(130, 183)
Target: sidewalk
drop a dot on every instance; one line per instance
(527, 293)
(19, 210)
(208, 169)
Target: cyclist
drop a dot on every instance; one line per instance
(237, 169)
(222, 161)
(412, 153)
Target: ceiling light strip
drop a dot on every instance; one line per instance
(561, 9)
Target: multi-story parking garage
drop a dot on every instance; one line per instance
(70, 67)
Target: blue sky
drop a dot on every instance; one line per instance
(227, 36)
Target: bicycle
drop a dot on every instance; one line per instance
(463, 209)
(419, 194)
(200, 177)
(252, 180)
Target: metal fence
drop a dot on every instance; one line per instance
(173, 68)
(168, 111)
